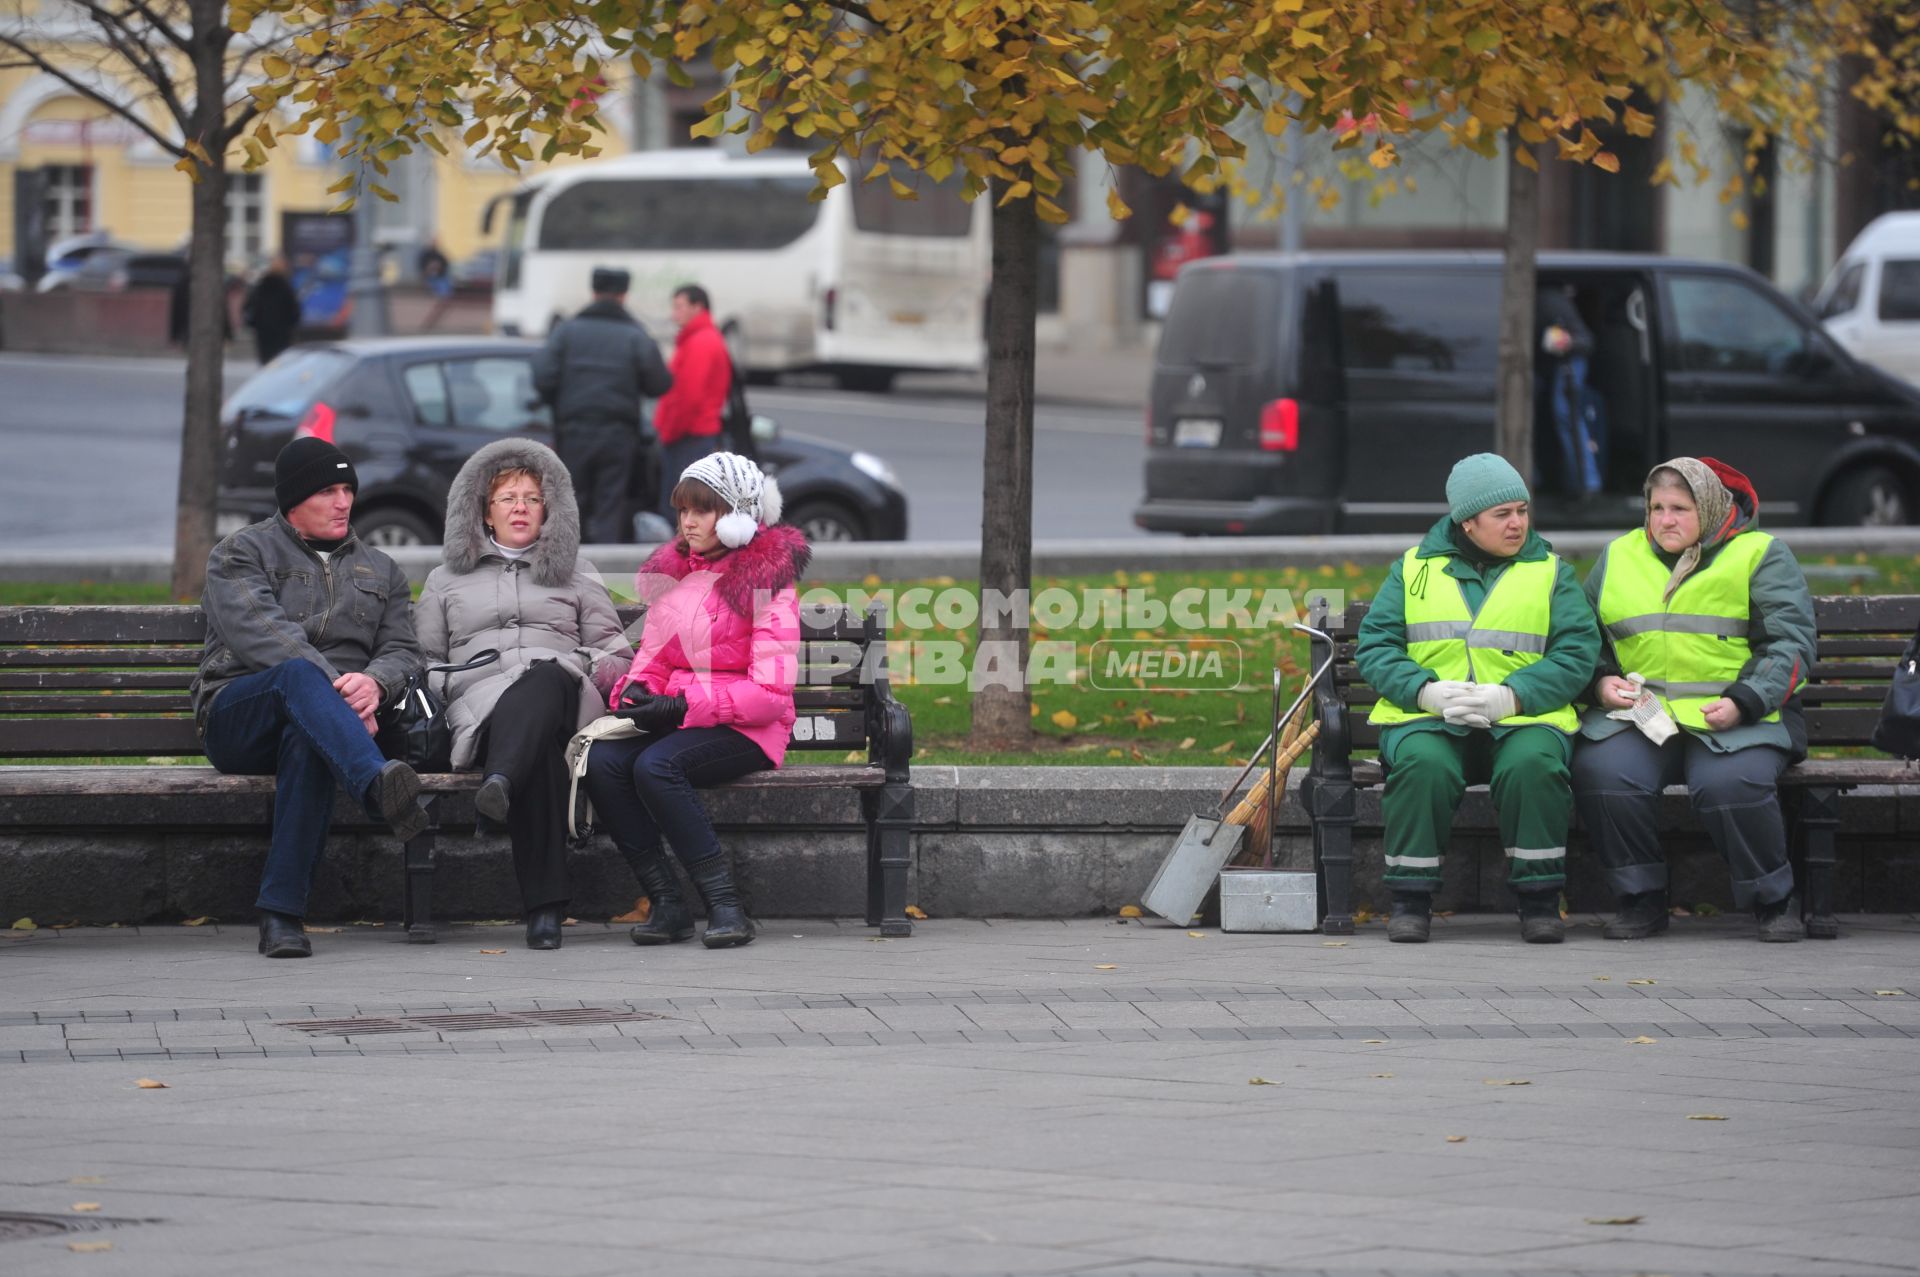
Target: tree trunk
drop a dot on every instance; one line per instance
(1514, 413)
(199, 484)
(1001, 717)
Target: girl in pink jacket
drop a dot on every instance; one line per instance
(710, 688)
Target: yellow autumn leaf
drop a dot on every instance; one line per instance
(1196, 935)
(1506, 1081)
(89, 1248)
(917, 913)
(1889, 993)
(1063, 719)
(85, 1208)
(1106, 966)
(1705, 1117)
(25, 924)
(493, 951)
(1131, 911)
(1641, 982)
(149, 1084)
(1642, 1040)
(1456, 1139)
(1607, 161)
(1260, 1081)
(197, 922)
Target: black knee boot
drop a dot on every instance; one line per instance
(727, 921)
(668, 921)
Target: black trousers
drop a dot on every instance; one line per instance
(525, 740)
(600, 460)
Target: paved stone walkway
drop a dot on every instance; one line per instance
(1080, 1097)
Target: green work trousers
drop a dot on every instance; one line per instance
(1429, 770)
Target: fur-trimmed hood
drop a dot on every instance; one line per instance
(775, 559)
(466, 541)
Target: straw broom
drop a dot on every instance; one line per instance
(1253, 811)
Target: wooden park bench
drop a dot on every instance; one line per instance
(112, 682)
(1860, 639)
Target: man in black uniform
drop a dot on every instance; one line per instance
(594, 371)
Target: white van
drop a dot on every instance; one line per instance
(1871, 300)
(860, 284)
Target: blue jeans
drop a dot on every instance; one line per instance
(642, 787)
(675, 457)
(289, 723)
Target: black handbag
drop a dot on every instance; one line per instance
(413, 727)
(1898, 731)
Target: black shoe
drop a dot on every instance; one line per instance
(1540, 920)
(543, 926)
(491, 799)
(1641, 915)
(727, 921)
(669, 921)
(393, 797)
(1780, 921)
(283, 936)
(1411, 919)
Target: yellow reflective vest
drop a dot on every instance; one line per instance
(1508, 633)
(1691, 646)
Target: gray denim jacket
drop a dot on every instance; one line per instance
(270, 599)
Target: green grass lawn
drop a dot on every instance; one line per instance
(1123, 720)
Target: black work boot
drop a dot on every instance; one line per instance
(668, 920)
(283, 936)
(1780, 921)
(1540, 920)
(1411, 918)
(1641, 915)
(543, 926)
(392, 797)
(492, 798)
(727, 921)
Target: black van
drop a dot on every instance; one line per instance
(1322, 392)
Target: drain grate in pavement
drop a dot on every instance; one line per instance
(468, 1022)
(18, 1226)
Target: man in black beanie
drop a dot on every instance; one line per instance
(309, 632)
(594, 370)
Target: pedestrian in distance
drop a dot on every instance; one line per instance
(594, 371)
(689, 418)
(1478, 642)
(309, 632)
(1714, 618)
(710, 689)
(513, 583)
(272, 310)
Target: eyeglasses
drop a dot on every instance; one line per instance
(506, 501)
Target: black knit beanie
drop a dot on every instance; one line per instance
(307, 465)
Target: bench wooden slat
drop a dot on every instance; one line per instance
(130, 624)
(106, 737)
(80, 680)
(88, 657)
(99, 703)
(1874, 613)
(1887, 649)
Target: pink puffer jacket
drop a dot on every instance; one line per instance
(725, 634)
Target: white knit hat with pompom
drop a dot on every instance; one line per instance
(739, 481)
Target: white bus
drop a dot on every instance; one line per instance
(861, 284)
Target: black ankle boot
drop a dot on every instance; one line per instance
(1411, 919)
(668, 919)
(492, 798)
(543, 926)
(1642, 914)
(393, 797)
(283, 936)
(1540, 920)
(727, 921)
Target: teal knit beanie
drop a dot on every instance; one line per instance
(1481, 482)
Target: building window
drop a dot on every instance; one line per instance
(69, 199)
(246, 218)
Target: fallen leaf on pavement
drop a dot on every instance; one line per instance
(916, 912)
(641, 911)
(148, 1084)
(1616, 1219)
(1506, 1081)
(1705, 1117)
(879, 940)
(25, 924)
(493, 951)
(1379, 1075)
(1603, 978)
(89, 1248)
(1260, 1081)
(1105, 966)
(1889, 993)
(86, 1208)
(1456, 1139)
(1362, 916)
(569, 922)
(1196, 935)
(201, 921)
(88, 1179)
(323, 931)
(1131, 911)
(1333, 944)
(1642, 1040)
(1640, 982)
(1443, 913)
(1376, 1042)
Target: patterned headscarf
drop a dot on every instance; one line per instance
(1710, 497)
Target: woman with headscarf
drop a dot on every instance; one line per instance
(1714, 618)
(710, 689)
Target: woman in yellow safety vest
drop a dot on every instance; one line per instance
(1477, 643)
(1714, 619)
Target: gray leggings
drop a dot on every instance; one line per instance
(1616, 789)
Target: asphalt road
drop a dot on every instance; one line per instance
(93, 453)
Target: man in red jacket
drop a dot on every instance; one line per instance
(687, 418)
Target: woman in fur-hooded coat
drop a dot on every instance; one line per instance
(512, 581)
(710, 689)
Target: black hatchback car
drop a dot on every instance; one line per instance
(410, 411)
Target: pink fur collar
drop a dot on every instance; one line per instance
(772, 561)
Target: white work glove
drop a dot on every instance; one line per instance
(1441, 695)
(1486, 705)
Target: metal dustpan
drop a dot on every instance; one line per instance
(1262, 897)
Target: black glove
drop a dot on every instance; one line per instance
(634, 694)
(655, 713)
